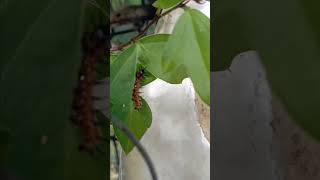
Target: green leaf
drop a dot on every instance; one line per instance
(152, 48)
(148, 78)
(289, 46)
(165, 4)
(144, 54)
(150, 57)
(187, 53)
(122, 78)
(147, 52)
(113, 57)
(39, 61)
(159, 53)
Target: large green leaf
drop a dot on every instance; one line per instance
(287, 36)
(152, 48)
(187, 53)
(146, 53)
(39, 61)
(122, 79)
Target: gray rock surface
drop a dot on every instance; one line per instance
(242, 113)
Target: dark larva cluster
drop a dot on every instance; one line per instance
(136, 98)
(83, 114)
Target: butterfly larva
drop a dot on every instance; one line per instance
(136, 98)
(83, 116)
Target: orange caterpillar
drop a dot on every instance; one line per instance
(136, 98)
(83, 114)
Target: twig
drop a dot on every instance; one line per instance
(114, 140)
(122, 32)
(116, 122)
(154, 20)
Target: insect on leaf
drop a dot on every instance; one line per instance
(122, 78)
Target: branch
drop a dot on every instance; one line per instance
(154, 20)
(116, 122)
(114, 140)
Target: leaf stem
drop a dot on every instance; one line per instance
(117, 123)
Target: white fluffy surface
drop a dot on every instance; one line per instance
(175, 140)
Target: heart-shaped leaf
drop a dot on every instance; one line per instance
(187, 53)
(146, 53)
(123, 76)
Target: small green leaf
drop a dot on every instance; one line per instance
(165, 4)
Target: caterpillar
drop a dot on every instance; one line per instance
(83, 114)
(136, 98)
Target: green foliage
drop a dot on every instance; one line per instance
(113, 57)
(148, 78)
(165, 4)
(144, 53)
(287, 36)
(39, 61)
(185, 53)
(122, 79)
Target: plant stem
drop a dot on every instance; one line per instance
(117, 123)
